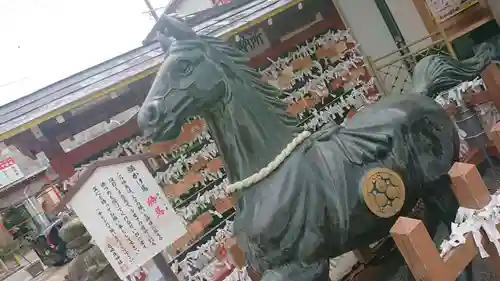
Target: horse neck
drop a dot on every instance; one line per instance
(249, 130)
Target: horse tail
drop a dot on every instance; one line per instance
(437, 73)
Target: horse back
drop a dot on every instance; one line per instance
(315, 194)
(411, 135)
(418, 130)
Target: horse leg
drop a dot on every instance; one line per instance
(439, 199)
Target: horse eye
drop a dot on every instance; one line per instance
(184, 67)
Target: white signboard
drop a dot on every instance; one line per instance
(445, 9)
(127, 214)
(9, 172)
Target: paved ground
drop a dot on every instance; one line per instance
(53, 274)
(50, 274)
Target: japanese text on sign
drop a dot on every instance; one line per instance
(127, 214)
(253, 43)
(9, 171)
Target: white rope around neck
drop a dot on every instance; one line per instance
(273, 165)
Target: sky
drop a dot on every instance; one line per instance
(44, 41)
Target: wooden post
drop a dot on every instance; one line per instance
(418, 250)
(491, 78)
(495, 135)
(417, 247)
(162, 265)
(472, 193)
(237, 256)
(235, 253)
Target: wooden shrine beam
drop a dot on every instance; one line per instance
(55, 132)
(26, 143)
(62, 162)
(237, 256)
(102, 111)
(110, 139)
(331, 20)
(65, 163)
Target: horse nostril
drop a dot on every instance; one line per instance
(150, 115)
(153, 114)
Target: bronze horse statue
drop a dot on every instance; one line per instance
(340, 189)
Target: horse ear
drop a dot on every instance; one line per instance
(177, 29)
(164, 41)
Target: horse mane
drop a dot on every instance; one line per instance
(437, 73)
(237, 61)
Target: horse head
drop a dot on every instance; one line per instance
(207, 77)
(192, 79)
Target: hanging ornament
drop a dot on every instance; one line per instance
(301, 63)
(328, 51)
(285, 78)
(320, 89)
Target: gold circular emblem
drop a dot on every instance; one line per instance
(383, 192)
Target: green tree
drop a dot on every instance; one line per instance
(17, 221)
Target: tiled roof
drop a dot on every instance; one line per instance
(108, 76)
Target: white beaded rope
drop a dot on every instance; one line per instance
(273, 165)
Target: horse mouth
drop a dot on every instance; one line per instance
(169, 131)
(165, 125)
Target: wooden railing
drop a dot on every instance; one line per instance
(419, 250)
(393, 72)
